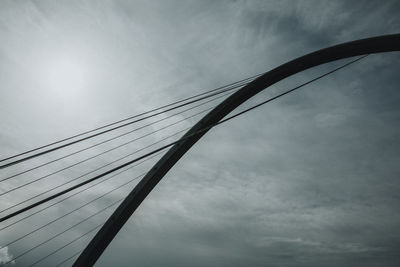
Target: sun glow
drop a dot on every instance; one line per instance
(65, 76)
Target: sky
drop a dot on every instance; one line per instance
(308, 180)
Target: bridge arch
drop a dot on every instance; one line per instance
(98, 244)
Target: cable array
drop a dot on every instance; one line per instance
(205, 99)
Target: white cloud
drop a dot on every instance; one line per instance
(5, 256)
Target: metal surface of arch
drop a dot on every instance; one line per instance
(98, 244)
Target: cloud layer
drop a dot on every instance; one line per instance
(308, 180)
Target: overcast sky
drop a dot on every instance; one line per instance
(311, 179)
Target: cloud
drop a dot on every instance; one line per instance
(5, 255)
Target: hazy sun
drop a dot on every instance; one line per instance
(64, 75)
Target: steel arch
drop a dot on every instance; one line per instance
(98, 244)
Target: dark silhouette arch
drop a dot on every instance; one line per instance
(98, 244)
